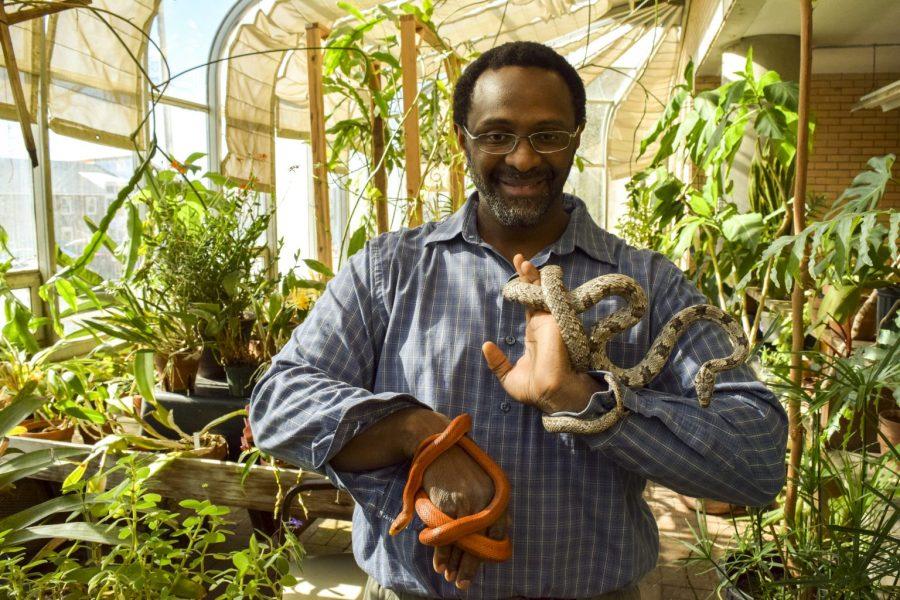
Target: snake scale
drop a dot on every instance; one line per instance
(590, 352)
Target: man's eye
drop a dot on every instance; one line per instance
(549, 137)
(495, 138)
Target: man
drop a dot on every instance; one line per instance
(414, 331)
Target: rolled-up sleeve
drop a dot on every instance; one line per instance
(733, 450)
(317, 395)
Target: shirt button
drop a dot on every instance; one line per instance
(510, 340)
(504, 406)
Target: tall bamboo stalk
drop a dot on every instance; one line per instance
(797, 297)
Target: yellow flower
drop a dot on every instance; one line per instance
(302, 298)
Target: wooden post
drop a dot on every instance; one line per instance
(315, 34)
(795, 426)
(457, 166)
(379, 180)
(408, 54)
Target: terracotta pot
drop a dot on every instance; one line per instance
(713, 507)
(843, 330)
(212, 446)
(42, 429)
(179, 374)
(849, 436)
(889, 426)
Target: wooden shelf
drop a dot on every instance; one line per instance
(216, 480)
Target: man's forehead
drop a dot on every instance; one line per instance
(521, 95)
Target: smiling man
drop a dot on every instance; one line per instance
(414, 331)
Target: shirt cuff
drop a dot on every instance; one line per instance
(599, 403)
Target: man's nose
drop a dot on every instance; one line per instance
(523, 158)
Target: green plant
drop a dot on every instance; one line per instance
(149, 550)
(702, 217)
(279, 310)
(347, 80)
(853, 247)
(843, 542)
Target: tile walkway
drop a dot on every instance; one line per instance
(330, 572)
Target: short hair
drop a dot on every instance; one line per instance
(519, 54)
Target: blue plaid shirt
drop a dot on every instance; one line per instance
(402, 324)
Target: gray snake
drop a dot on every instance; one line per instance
(586, 353)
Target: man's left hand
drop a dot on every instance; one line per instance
(543, 377)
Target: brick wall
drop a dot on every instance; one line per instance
(844, 141)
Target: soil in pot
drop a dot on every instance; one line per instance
(240, 379)
(179, 373)
(889, 426)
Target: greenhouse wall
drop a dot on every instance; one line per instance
(844, 140)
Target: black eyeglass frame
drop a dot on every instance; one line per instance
(475, 138)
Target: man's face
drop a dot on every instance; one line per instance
(519, 187)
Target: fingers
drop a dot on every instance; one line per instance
(496, 360)
(453, 564)
(526, 269)
(441, 558)
(468, 565)
(467, 568)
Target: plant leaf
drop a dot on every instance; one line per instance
(76, 531)
(23, 404)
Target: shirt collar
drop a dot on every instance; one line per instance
(581, 231)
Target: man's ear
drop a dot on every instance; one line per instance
(460, 136)
(576, 141)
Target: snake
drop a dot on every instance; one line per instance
(440, 529)
(590, 352)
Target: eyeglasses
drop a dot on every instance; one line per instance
(543, 142)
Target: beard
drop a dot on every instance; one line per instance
(517, 211)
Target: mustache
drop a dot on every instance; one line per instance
(514, 175)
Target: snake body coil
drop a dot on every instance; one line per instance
(440, 529)
(586, 353)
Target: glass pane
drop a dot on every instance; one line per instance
(185, 31)
(86, 178)
(181, 132)
(293, 204)
(17, 197)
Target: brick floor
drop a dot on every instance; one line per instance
(670, 580)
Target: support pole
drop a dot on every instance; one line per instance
(457, 167)
(795, 426)
(315, 34)
(15, 84)
(408, 54)
(379, 180)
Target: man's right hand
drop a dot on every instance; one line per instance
(454, 482)
(458, 486)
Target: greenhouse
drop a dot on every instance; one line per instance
(489, 299)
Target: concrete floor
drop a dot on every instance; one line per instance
(330, 572)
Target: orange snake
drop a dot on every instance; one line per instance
(440, 529)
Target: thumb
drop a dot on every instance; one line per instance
(496, 360)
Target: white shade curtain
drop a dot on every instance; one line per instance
(26, 43)
(266, 93)
(97, 88)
